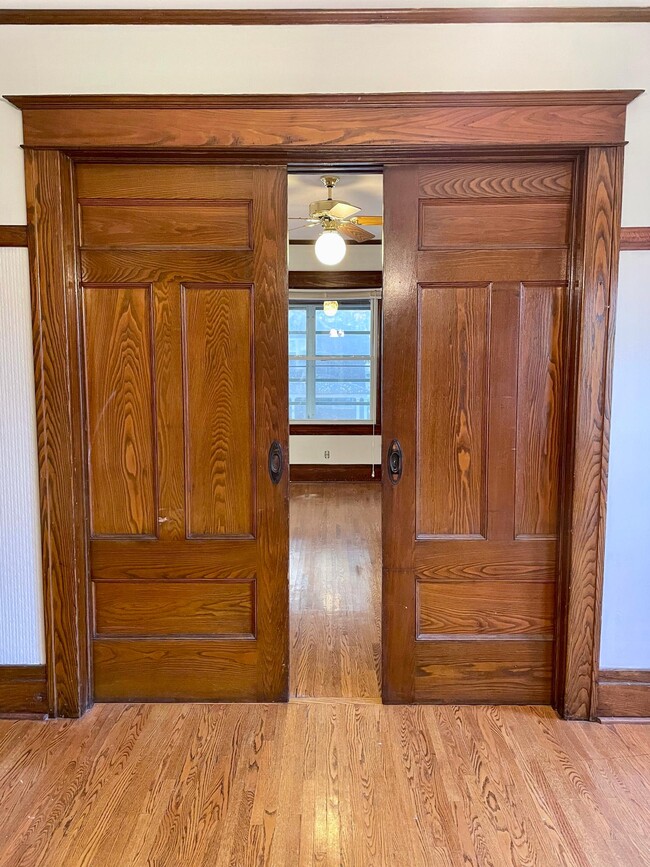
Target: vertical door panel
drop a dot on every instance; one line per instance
(474, 365)
(452, 347)
(219, 418)
(185, 345)
(119, 403)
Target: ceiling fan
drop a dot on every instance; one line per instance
(337, 220)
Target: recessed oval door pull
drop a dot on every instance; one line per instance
(276, 462)
(394, 461)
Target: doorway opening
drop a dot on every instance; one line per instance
(335, 433)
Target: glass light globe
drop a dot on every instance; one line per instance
(330, 308)
(330, 248)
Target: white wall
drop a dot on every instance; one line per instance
(385, 58)
(625, 639)
(21, 621)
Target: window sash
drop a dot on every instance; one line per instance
(310, 402)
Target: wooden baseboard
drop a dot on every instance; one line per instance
(624, 694)
(23, 690)
(334, 473)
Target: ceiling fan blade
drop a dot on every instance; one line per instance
(299, 218)
(343, 211)
(302, 226)
(369, 221)
(356, 233)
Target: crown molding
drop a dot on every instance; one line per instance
(282, 101)
(287, 17)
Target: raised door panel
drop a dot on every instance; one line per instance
(496, 180)
(493, 223)
(146, 223)
(117, 346)
(484, 672)
(219, 418)
(167, 608)
(540, 395)
(490, 607)
(453, 327)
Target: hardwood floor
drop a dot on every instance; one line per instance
(333, 778)
(327, 783)
(335, 565)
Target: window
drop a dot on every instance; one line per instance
(332, 362)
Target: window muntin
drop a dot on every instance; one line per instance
(332, 378)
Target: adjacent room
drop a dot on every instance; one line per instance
(335, 434)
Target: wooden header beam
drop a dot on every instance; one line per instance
(289, 123)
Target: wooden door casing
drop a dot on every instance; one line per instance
(183, 297)
(475, 333)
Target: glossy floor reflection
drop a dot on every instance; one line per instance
(335, 590)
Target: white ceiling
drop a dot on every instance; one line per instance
(364, 191)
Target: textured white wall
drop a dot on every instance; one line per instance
(21, 620)
(258, 60)
(625, 639)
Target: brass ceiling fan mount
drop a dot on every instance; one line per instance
(332, 214)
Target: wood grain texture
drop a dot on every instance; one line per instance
(592, 396)
(133, 266)
(453, 329)
(398, 421)
(167, 608)
(13, 236)
(524, 559)
(301, 17)
(540, 401)
(271, 360)
(326, 783)
(489, 671)
(318, 429)
(635, 238)
(488, 223)
(23, 689)
(623, 694)
(50, 215)
(487, 266)
(118, 350)
(335, 279)
(334, 472)
(295, 122)
(488, 402)
(335, 579)
(153, 223)
(496, 180)
(219, 422)
(484, 608)
(185, 669)
(201, 591)
(198, 559)
(187, 183)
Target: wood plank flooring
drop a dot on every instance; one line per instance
(335, 565)
(332, 778)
